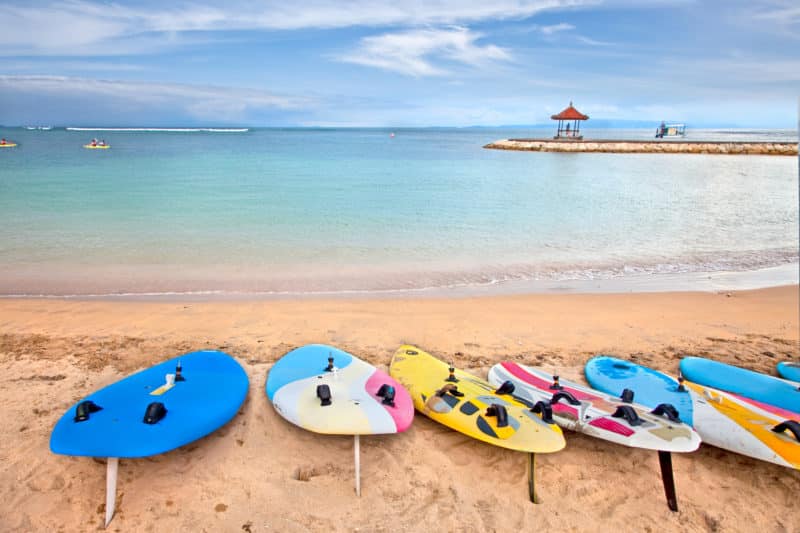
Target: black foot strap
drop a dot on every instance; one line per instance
(668, 410)
(627, 396)
(84, 409)
(450, 389)
(506, 388)
(154, 412)
(387, 392)
(628, 413)
(564, 395)
(324, 394)
(545, 410)
(790, 425)
(500, 412)
(665, 460)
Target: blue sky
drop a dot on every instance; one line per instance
(398, 63)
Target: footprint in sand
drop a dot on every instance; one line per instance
(220, 508)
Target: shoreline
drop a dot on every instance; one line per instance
(56, 352)
(650, 147)
(777, 276)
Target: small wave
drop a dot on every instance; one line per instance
(175, 130)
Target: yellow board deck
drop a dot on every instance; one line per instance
(465, 408)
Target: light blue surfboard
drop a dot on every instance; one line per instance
(789, 370)
(214, 388)
(753, 385)
(650, 387)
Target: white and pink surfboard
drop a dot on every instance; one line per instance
(592, 412)
(326, 390)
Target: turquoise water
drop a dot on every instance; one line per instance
(304, 210)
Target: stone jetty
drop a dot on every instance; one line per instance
(647, 147)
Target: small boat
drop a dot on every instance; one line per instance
(670, 130)
(97, 145)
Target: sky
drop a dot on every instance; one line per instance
(396, 63)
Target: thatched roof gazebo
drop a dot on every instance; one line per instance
(565, 129)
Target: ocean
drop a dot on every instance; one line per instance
(285, 212)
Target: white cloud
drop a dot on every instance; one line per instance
(64, 27)
(201, 102)
(412, 52)
(590, 41)
(550, 30)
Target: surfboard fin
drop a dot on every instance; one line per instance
(111, 488)
(357, 453)
(532, 478)
(665, 461)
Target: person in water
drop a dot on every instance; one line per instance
(3, 141)
(94, 142)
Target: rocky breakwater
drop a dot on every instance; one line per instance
(647, 147)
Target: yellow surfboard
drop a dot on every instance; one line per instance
(470, 405)
(97, 146)
(8, 145)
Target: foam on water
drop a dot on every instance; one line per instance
(162, 130)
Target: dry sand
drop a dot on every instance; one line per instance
(260, 473)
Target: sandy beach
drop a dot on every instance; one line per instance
(259, 473)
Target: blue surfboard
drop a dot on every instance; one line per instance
(789, 370)
(153, 411)
(753, 385)
(650, 387)
(213, 388)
